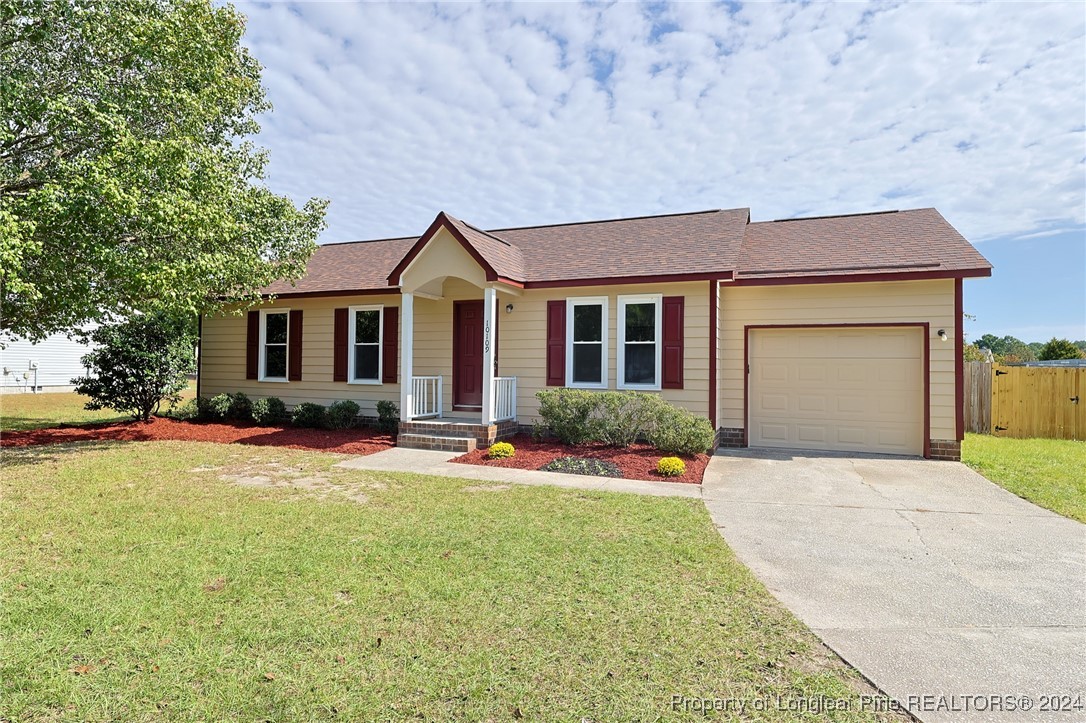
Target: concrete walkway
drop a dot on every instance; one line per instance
(923, 575)
(401, 459)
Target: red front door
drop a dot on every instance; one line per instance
(468, 354)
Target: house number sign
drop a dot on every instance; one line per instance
(486, 338)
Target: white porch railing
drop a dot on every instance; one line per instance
(505, 398)
(426, 393)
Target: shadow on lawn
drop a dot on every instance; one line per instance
(13, 457)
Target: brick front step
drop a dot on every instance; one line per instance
(433, 441)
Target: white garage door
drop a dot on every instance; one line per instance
(849, 389)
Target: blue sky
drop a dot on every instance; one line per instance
(548, 112)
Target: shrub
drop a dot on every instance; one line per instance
(622, 418)
(270, 411)
(388, 416)
(138, 363)
(241, 408)
(190, 411)
(309, 414)
(501, 450)
(671, 467)
(681, 432)
(619, 419)
(342, 414)
(583, 465)
(218, 407)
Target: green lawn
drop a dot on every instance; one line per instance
(37, 411)
(1047, 472)
(168, 580)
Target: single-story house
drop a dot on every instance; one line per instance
(835, 333)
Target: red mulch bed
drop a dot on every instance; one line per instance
(343, 441)
(636, 462)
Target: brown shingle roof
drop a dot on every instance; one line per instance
(718, 242)
(355, 266)
(688, 243)
(503, 257)
(918, 240)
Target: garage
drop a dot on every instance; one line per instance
(847, 388)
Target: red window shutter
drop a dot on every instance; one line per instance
(389, 349)
(673, 342)
(252, 346)
(339, 346)
(556, 343)
(294, 348)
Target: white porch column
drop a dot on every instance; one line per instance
(407, 355)
(490, 309)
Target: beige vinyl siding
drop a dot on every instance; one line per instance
(889, 302)
(222, 366)
(522, 340)
(522, 346)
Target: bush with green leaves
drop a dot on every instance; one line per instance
(342, 414)
(218, 406)
(309, 414)
(619, 419)
(680, 431)
(241, 408)
(191, 411)
(567, 413)
(138, 363)
(270, 412)
(388, 416)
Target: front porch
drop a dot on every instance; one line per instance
(452, 396)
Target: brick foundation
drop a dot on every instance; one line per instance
(730, 437)
(483, 434)
(946, 449)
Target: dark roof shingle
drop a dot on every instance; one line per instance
(709, 242)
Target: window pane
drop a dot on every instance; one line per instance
(588, 323)
(276, 329)
(365, 361)
(641, 322)
(586, 363)
(275, 361)
(640, 363)
(367, 327)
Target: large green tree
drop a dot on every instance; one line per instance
(1060, 349)
(126, 180)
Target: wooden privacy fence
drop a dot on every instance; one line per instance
(1025, 401)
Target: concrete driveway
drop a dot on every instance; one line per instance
(923, 575)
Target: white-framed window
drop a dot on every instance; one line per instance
(586, 342)
(640, 329)
(274, 338)
(367, 328)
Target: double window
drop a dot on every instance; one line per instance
(586, 342)
(366, 330)
(274, 335)
(639, 332)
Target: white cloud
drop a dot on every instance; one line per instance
(534, 113)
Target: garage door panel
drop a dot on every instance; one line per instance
(839, 389)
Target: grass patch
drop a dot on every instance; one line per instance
(201, 581)
(1047, 472)
(20, 412)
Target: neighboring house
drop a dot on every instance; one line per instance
(839, 333)
(48, 366)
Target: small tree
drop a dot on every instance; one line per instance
(138, 363)
(1059, 349)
